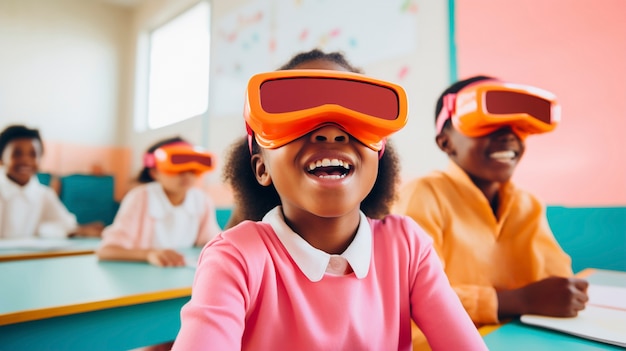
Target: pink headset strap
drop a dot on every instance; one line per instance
(382, 149)
(447, 110)
(449, 105)
(250, 136)
(148, 160)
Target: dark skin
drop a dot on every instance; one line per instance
(324, 211)
(21, 159)
(490, 161)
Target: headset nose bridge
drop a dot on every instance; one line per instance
(507, 133)
(329, 133)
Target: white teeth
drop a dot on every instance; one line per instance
(328, 163)
(336, 176)
(503, 155)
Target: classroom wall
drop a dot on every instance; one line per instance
(72, 65)
(253, 36)
(577, 49)
(61, 66)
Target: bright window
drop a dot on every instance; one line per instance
(178, 74)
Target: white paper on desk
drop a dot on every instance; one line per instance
(607, 296)
(596, 323)
(35, 244)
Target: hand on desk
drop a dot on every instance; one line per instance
(166, 258)
(554, 296)
(93, 230)
(157, 257)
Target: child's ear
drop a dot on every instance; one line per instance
(260, 170)
(444, 142)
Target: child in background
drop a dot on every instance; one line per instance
(321, 271)
(493, 238)
(166, 212)
(28, 208)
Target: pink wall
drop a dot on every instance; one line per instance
(576, 49)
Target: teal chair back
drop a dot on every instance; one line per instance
(44, 178)
(89, 197)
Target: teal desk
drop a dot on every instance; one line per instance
(26, 249)
(80, 303)
(516, 336)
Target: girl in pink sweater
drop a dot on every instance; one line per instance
(320, 267)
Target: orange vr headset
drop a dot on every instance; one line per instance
(486, 106)
(282, 106)
(180, 157)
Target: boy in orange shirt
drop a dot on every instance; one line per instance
(493, 238)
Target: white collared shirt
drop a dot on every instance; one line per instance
(314, 263)
(175, 226)
(32, 210)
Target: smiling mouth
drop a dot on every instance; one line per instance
(329, 168)
(503, 156)
(25, 169)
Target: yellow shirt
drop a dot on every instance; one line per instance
(482, 253)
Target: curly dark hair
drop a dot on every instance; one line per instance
(316, 54)
(253, 200)
(13, 132)
(144, 175)
(455, 88)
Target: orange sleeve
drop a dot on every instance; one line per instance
(480, 302)
(551, 259)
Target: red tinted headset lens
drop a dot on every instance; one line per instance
(509, 102)
(203, 160)
(301, 93)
